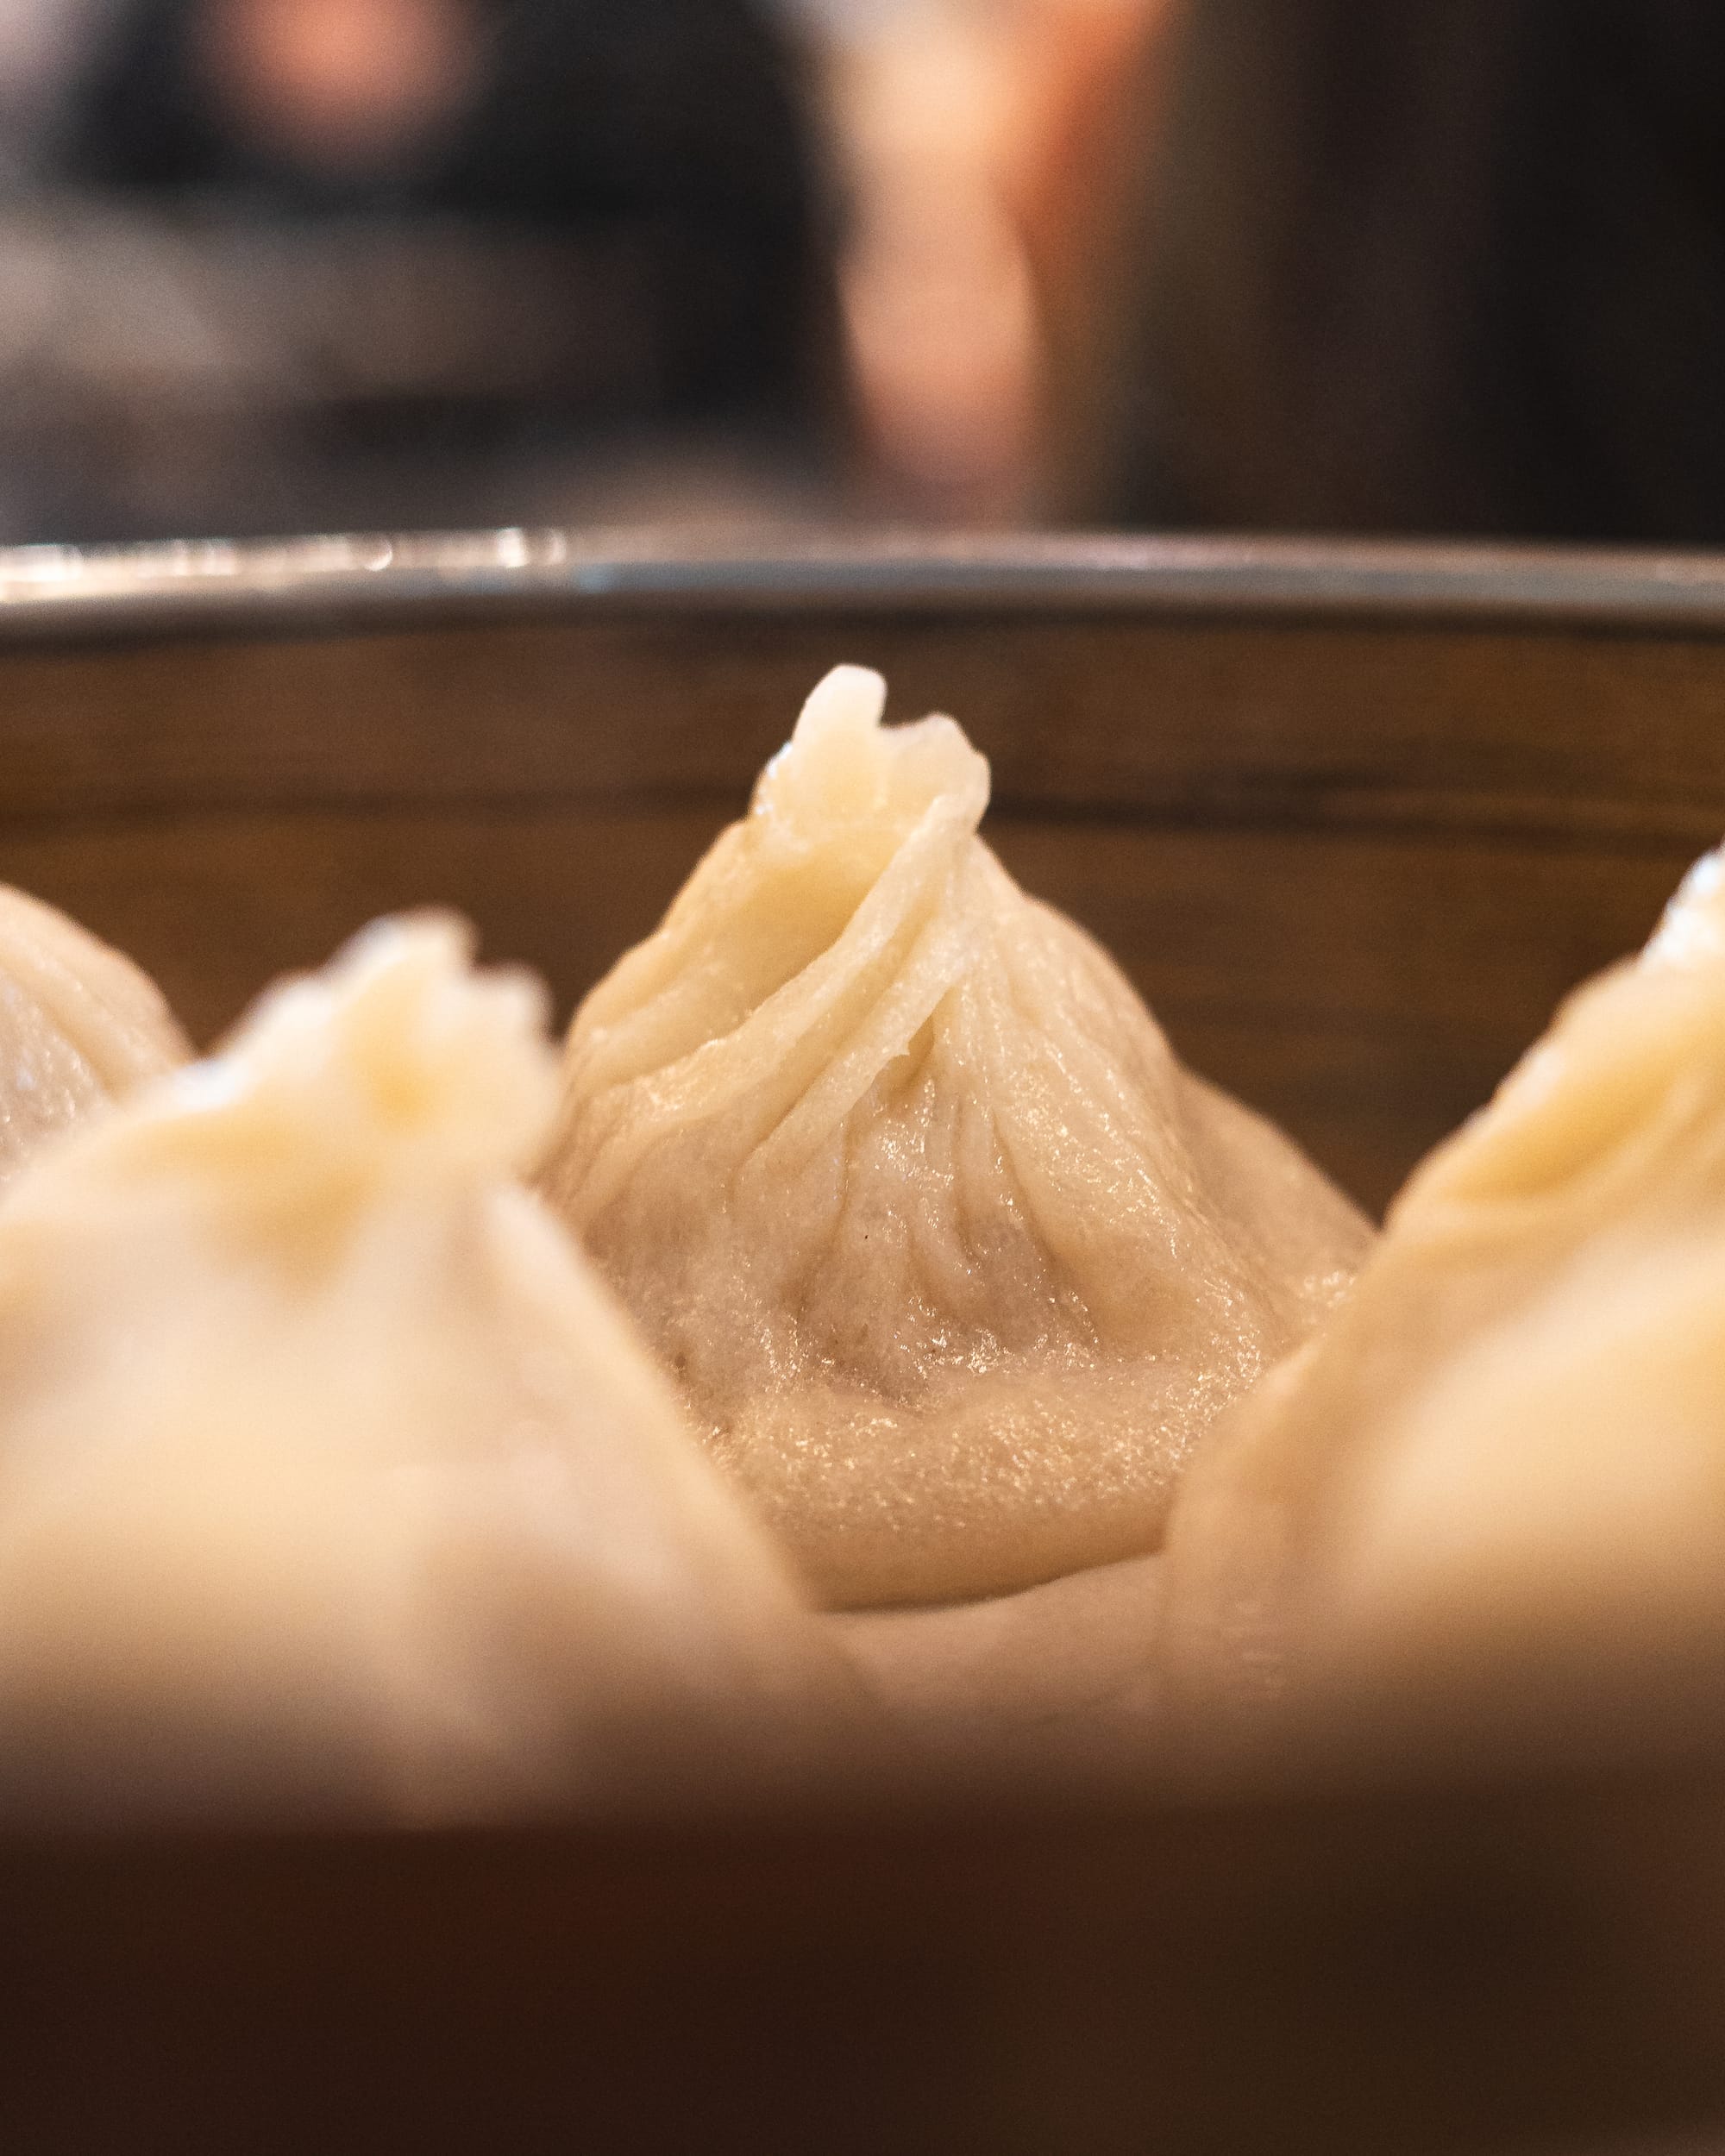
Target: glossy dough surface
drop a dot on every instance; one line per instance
(79, 1026)
(329, 1475)
(1507, 1449)
(954, 1261)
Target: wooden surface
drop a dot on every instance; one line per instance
(1531, 1969)
(1353, 853)
(1351, 865)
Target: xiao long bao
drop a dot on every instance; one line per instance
(330, 1480)
(1496, 1484)
(954, 1261)
(79, 1026)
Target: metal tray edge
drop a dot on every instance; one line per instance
(260, 587)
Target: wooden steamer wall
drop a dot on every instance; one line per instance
(1353, 820)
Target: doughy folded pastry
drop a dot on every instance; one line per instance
(1055, 1682)
(954, 1261)
(328, 1476)
(1505, 1456)
(80, 1027)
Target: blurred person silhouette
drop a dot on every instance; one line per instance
(42, 43)
(981, 144)
(424, 259)
(678, 122)
(1452, 269)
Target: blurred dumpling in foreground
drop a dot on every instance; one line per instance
(1499, 1473)
(329, 1480)
(80, 1026)
(954, 1261)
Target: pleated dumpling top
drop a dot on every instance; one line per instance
(1499, 1474)
(953, 1261)
(80, 1026)
(330, 1479)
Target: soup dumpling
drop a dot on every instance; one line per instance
(1505, 1456)
(953, 1260)
(80, 1026)
(330, 1479)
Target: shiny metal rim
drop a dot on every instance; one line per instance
(256, 587)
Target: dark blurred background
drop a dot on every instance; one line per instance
(269, 266)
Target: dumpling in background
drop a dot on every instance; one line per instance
(953, 1260)
(79, 1026)
(329, 1479)
(1055, 1681)
(1505, 1457)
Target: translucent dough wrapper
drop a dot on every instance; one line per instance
(80, 1027)
(330, 1480)
(954, 1261)
(1499, 1473)
(1055, 1682)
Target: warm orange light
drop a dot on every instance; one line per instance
(340, 82)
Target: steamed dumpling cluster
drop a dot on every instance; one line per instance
(1505, 1458)
(334, 1479)
(80, 1027)
(953, 1261)
(329, 1475)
